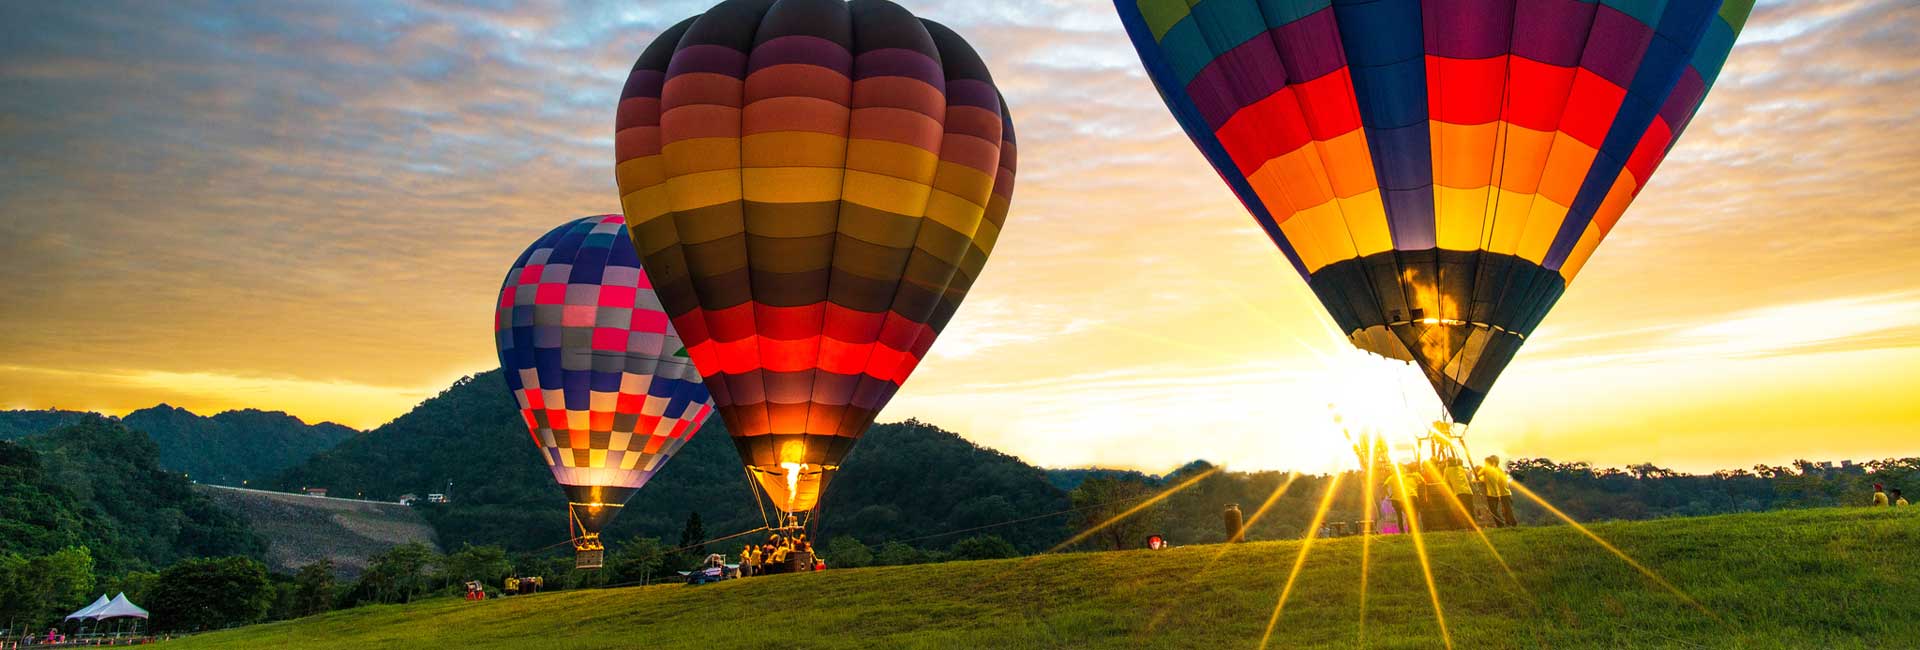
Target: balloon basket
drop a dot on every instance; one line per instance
(589, 558)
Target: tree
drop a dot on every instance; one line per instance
(847, 552)
(1105, 500)
(693, 541)
(399, 575)
(640, 559)
(39, 590)
(313, 589)
(898, 553)
(210, 594)
(488, 564)
(983, 547)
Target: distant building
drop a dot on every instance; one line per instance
(408, 499)
(436, 498)
(314, 491)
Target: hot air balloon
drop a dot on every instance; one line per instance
(1437, 170)
(603, 382)
(813, 185)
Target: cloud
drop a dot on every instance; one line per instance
(329, 193)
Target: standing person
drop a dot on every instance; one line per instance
(1462, 505)
(1879, 496)
(1232, 522)
(1399, 497)
(1499, 493)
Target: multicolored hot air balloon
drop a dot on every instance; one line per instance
(603, 381)
(813, 185)
(1437, 170)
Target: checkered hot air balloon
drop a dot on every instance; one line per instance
(813, 185)
(603, 382)
(1437, 170)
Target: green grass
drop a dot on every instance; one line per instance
(1835, 578)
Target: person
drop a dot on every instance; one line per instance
(1499, 493)
(1231, 521)
(1397, 495)
(1879, 496)
(512, 586)
(1455, 473)
(1898, 500)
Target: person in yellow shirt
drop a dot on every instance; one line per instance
(1898, 500)
(1455, 473)
(512, 586)
(1499, 493)
(1879, 496)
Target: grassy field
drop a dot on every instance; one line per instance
(1835, 578)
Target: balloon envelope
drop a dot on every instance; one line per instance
(602, 380)
(1437, 170)
(813, 185)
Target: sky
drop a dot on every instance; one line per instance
(308, 206)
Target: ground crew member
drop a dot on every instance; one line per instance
(1462, 507)
(1499, 493)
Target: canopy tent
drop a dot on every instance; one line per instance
(119, 607)
(87, 612)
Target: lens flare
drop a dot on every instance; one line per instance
(1426, 565)
(1637, 566)
(1300, 559)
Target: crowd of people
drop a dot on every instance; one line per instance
(782, 553)
(1441, 495)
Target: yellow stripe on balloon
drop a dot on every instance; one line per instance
(886, 193)
(793, 149)
(693, 191)
(695, 155)
(1366, 220)
(957, 214)
(1543, 223)
(792, 184)
(903, 161)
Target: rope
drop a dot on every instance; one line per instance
(753, 486)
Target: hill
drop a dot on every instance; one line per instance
(21, 423)
(1829, 578)
(99, 484)
(233, 446)
(301, 530)
(906, 479)
(227, 448)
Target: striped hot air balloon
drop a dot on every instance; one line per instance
(1437, 170)
(813, 185)
(603, 382)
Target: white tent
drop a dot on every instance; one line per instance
(119, 607)
(87, 612)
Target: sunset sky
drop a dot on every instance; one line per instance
(309, 207)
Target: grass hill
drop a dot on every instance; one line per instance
(1828, 578)
(905, 479)
(226, 448)
(301, 530)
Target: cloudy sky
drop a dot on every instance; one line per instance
(308, 206)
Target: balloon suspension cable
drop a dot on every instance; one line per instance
(753, 486)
